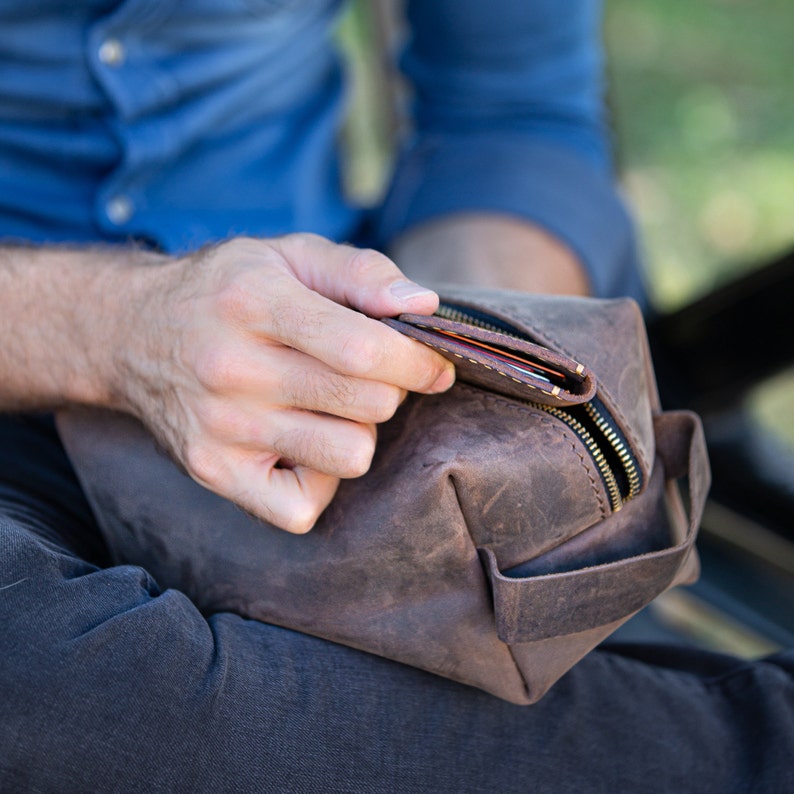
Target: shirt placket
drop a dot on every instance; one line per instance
(131, 83)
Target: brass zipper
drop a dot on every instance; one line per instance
(607, 474)
(459, 315)
(621, 486)
(618, 445)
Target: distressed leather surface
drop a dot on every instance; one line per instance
(607, 336)
(480, 545)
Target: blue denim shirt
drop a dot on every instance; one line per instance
(181, 123)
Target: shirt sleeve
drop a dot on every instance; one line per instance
(508, 117)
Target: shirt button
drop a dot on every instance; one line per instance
(119, 210)
(112, 53)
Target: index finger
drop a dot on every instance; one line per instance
(354, 344)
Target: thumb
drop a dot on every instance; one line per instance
(360, 278)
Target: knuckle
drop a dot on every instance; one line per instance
(234, 299)
(366, 260)
(248, 281)
(357, 466)
(308, 239)
(220, 421)
(240, 245)
(204, 465)
(359, 455)
(387, 401)
(302, 517)
(301, 243)
(428, 368)
(361, 355)
(217, 369)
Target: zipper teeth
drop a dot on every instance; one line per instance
(617, 444)
(614, 440)
(458, 316)
(604, 468)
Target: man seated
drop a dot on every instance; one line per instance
(172, 222)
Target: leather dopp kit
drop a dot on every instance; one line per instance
(505, 528)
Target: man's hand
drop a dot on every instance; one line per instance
(256, 364)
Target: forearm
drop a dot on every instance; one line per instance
(490, 250)
(64, 314)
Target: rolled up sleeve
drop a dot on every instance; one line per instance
(508, 117)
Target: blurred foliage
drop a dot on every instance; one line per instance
(772, 405)
(369, 134)
(703, 114)
(704, 125)
(704, 119)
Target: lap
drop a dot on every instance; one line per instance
(104, 677)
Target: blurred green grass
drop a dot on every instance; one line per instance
(703, 118)
(704, 122)
(703, 115)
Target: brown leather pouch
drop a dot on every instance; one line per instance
(505, 528)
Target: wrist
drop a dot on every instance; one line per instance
(129, 359)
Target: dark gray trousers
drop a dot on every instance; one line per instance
(109, 684)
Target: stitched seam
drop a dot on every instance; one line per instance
(561, 365)
(559, 427)
(493, 369)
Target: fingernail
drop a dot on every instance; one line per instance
(406, 290)
(444, 381)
